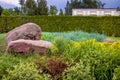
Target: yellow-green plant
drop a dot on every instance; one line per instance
(102, 57)
(116, 74)
(75, 50)
(24, 71)
(78, 71)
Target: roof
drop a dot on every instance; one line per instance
(95, 9)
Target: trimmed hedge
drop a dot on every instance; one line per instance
(108, 25)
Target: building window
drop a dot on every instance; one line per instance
(107, 12)
(93, 12)
(80, 12)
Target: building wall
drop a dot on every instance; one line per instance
(98, 12)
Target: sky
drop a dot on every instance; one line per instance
(61, 3)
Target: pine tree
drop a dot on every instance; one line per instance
(42, 8)
(17, 10)
(93, 4)
(1, 10)
(61, 12)
(67, 8)
(53, 10)
(30, 6)
(22, 3)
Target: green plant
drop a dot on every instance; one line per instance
(6, 62)
(116, 74)
(79, 71)
(23, 71)
(2, 43)
(108, 25)
(60, 43)
(53, 66)
(102, 57)
(76, 50)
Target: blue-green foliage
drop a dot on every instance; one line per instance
(74, 35)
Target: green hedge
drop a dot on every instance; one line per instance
(109, 25)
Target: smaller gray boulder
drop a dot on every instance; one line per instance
(27, 46)
(109, 40)
(29, 31)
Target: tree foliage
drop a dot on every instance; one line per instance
(34, 7)
(42, 8)
(6, 12)
(1, 9)
(22, 3)
(61, 12)
(53, 10)
(118, 8)
(67, 8)
(17, 10)
(30, 7)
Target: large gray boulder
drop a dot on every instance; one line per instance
(27, 46)
(29, 31)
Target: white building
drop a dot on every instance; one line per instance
(97, 12)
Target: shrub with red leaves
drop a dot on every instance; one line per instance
(52, 67)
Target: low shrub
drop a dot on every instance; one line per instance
(2, 43)
(60, 43)
(76, 50)
(78, 72)
(24, 71)
(6, 62)
(116, 74)
(53, 66)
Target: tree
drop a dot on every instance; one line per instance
(22, 3)
(100, 4)
(61, 12)
(42, 8)
(6, 12)
(75, 3)
(53, 10)
(67, 8)
(17, 10)
(1, 10)
(90, 3)
(30, 6)
(118, 8)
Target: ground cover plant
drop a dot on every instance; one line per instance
(78, 56)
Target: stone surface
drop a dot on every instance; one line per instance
(29, 31)
(26, 46)
(109, 40)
